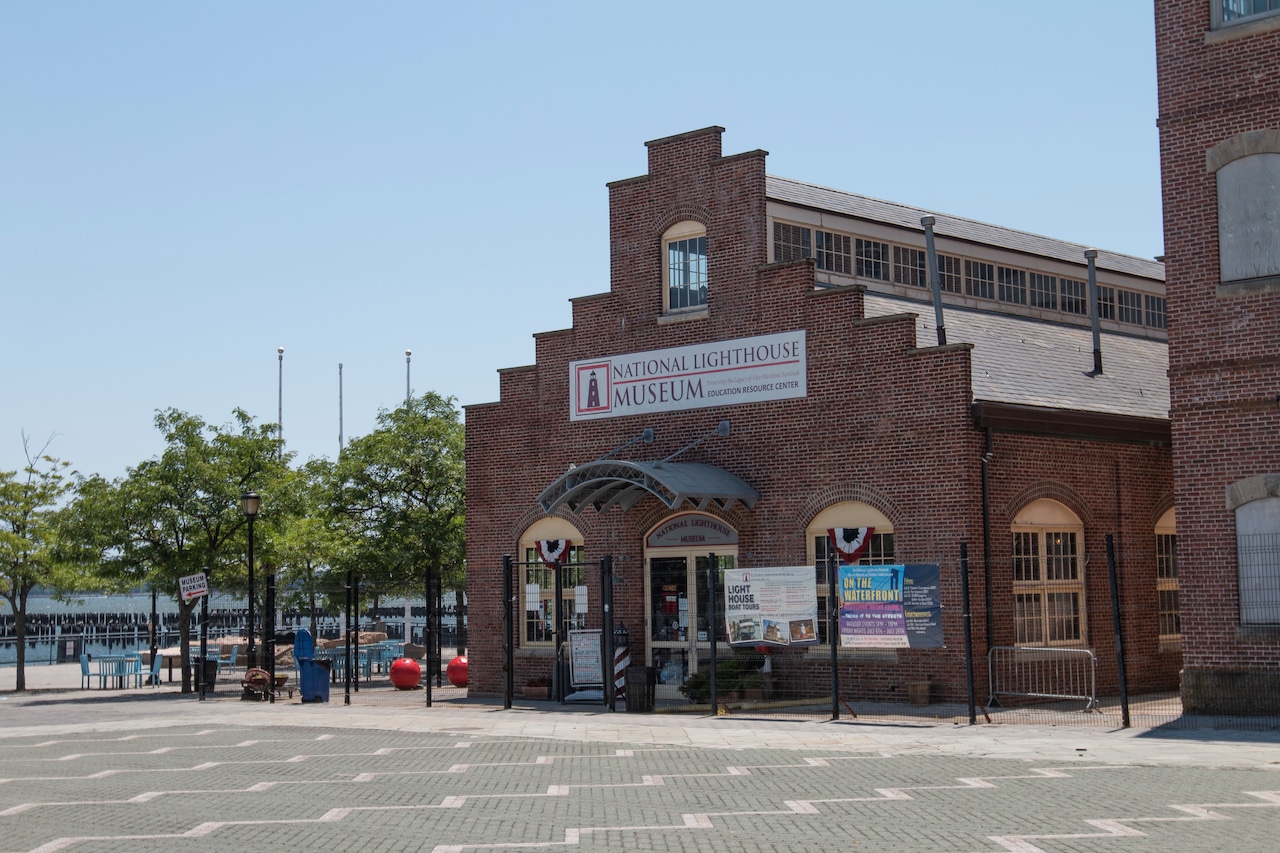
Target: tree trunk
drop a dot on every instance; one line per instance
(19, 602)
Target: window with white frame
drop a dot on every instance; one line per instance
(539, 582)
(833, 252)
(979, 279)
(872, 259)
(1232, 11)
(951, 273)
(1167, 577)
(1048, 576)
(847, 514)
(1106, 303)
(685, 272)
(910, 267)
(791, 242)
(1043, 290)
(1156, 312)
(1013, 285)
(1075, 296)
(1130, 305)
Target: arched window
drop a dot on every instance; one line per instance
(848, 514)
(539, 580)
(1048, 576)
(1258, 556)
(1247, 169)
(685, 272)
(1167, 577)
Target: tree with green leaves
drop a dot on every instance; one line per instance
(179, 514)
(401, 490)
(30, 530)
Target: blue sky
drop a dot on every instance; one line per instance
(185, 187)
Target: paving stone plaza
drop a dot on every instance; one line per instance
(87, 771)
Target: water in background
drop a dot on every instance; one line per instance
(112, 623)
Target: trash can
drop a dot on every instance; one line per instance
(210, 673)
(70, 648)
(639, 689)
(313, 679)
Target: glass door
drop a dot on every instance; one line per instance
(680, 619)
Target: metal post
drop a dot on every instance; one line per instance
(340, 414)
(508, 638)
(711, 627)
(353, 660)
(428, 635)
(934, 281)
(609, 688)
(557, 676)
(1094, 308)
(346, 676)
(280, 410)
(204, 631)
(270, 639)
(439, 629)
(253, 626)
(968, 627)
(154, 629)
(1115, 623)
(833, 629)
(408, 394)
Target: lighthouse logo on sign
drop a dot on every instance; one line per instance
(594, 390)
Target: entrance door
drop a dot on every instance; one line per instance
(679, 616)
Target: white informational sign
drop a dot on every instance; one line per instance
(580, 599)
(193, 586)
(723, 373)
(586, 666)
(771, 606)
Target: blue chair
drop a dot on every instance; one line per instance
(85, 674)
(154, 675)
(235, 653)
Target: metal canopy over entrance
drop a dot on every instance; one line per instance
(615, 482)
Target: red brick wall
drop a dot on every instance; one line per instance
(1224, 372)
(885, 422)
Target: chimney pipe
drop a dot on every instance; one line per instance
(934, 283)
(1092, 256)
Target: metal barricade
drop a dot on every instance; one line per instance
(1042, 673)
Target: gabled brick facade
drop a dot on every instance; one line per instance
(888, 420)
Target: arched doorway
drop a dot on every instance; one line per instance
(678, 616)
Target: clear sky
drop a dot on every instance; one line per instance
(184, 187)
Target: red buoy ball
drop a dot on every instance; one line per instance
(457, 671)
(405, 674)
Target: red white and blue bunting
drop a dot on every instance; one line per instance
(552, 551)
(851, 543)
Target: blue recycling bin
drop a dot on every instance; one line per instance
(313, 675)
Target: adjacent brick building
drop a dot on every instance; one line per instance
(1219, 82)
(855, 416)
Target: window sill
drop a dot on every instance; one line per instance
(1249, 286)
(1242, 29)
(673, 317)
(1257, 633)
(1170, 644)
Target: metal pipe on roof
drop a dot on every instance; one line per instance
(934, 282)
(1092, 255)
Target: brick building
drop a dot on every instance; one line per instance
(847, 413)
(1218, 63)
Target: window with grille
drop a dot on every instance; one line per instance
(791, 242)
(910, 267)
(1167, 585)
(880, 549)
(1130, 305)
(686, 268)
(951, 273)
(1043, 290)
(539, 595)
(879, 553)
(833, 252)
(1229, 11)
(1048, 578)
(1075, 296)
(1155, 312)
(979, 279)
(1106, 303)
(872, 259)
(1013, 285)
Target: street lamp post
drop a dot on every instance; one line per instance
(280, 403)
(249, 503)
(408, 394)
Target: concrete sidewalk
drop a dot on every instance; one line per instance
(55, 704)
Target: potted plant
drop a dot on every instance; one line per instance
(538, 687)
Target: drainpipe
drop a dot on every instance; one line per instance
(1092, 256)
(934, 282)
(986, 530)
